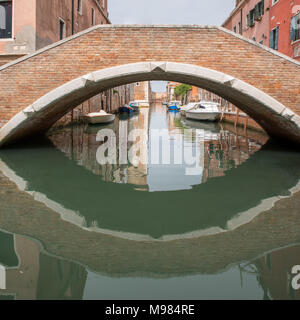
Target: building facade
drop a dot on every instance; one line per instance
(142, 91)
(273, 23)
(29, 25)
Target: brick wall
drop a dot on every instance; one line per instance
(6, 58)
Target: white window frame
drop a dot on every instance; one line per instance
(64, 30)
(79, 6)
(274, 2)
(12, 38)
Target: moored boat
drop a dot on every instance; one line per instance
(134, 105)
(174, 105)
(188, 107)
(99, 117)
(126, 109)
(204, 111)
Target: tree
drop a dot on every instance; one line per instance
(182, 91)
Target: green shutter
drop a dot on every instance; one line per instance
(272, 39)
(256, 12)
(293, 29)
(276, 38)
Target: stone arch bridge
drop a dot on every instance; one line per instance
(38, 89)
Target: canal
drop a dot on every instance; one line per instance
(151, 206)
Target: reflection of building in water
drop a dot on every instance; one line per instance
(226, 152)
(80, 144)
(274, 272)
(39, 276)
(134, 174)
(218, 150)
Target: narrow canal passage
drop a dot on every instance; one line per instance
(156, 205)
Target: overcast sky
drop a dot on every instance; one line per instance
(170, 11)
(213, 12)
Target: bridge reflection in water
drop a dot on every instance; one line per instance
(41, 276)
(99, 217)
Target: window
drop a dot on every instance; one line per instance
(240, 28)
(79, 6)
(5, 19)
(62, 29)
(254, 39)
(256, 13)
(93, 16)
(297, 52)
(259, 10)
(250, 18)
(137, 84)
(295, 27)
(274, 2)
(274, 38)
(261, 42)
(234, 29)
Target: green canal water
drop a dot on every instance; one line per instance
(151, 206)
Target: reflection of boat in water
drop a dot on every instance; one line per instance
(99, 117)
(126, 116)
(209, 126)
(96, 127)
(175, 111)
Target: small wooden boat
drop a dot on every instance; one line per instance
(100, 117)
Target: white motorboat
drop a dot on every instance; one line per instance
(188, 107)
(100, 117)
(207, 111)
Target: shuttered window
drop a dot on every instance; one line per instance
(295, 27)
(5, 19)
(274, 36)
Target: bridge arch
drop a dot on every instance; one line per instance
(277, 120)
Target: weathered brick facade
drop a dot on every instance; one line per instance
(24, 81)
